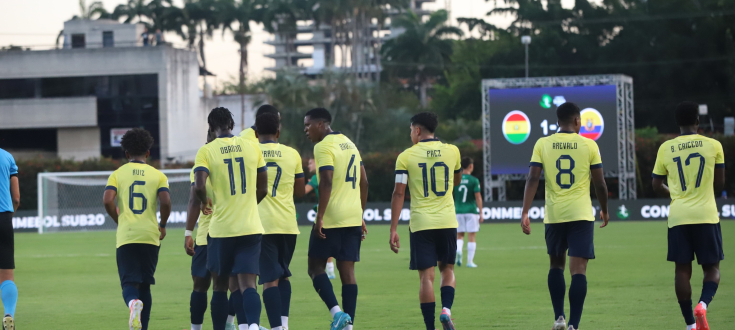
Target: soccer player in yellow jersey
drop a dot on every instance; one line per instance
(239, 180)
(339, 228)
(568, 161)
(249, 133)
(199, 272)
(694, 167)
(431, 169)
(136, 189)
(278, 215)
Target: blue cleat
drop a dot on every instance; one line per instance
(446, 320)
(340, 321)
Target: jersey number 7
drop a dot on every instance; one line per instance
(278, 176)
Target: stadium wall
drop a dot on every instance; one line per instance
(375, 213)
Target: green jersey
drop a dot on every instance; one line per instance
(315, 184)
(464, 195)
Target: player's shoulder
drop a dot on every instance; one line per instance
(450, 146)
(715, 143)
(592, 144)
(154, 170)
(5, 154)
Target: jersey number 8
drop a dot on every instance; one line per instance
(565, 171)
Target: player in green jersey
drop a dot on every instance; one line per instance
(695, 168)
(469, 211)
(313, 185)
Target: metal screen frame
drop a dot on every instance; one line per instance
(625, 125)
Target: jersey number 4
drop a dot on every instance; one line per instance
(232, 175)
(424, 175)
(352, 166)
(677, 160)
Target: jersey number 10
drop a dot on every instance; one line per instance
(424, 175)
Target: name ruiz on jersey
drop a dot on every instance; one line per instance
(138, 172)
(564, 145)
(230, 149)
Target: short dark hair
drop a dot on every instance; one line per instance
(687, 113)
(319, 113)
(266, 108)
(466, 162)
(566, 112)
(137, 142)
(426, 119)
(221, 118)
(267, 124)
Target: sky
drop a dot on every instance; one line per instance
(221, 51)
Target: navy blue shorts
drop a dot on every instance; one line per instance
(276, 252)
(341, 243)
(704, 240)
(431, 246)
(234, 255)
(199, 262)
(575, 236)
(136, 263)
(7, 247)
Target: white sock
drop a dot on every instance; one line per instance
(254, 327)
(330, 267)
(471, 247)
(335, 310)
(284, 321)
(692, 326)
(230, 319)
(447, 310)
(243, 327)
(704, 304)
(348, 327)
(196, 327)
(277, 328)
(460, 244)
(130, 303)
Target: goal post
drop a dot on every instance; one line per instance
(72, 201)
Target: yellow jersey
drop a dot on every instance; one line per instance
(233, 165)
(567, 159)
(430, 166)
(336, 152)
(689, 161)
(203, 229)
(249, 135)
(277, 210)
(137, 185)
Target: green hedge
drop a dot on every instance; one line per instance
(380, 167)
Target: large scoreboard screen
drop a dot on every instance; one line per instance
(520, 116)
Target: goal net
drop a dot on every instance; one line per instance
(72, 201)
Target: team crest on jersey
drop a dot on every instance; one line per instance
(592, 124)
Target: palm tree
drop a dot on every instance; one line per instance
(421, 52)
(132, 10)
(240, 12)
(95, 10)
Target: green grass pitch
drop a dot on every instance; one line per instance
(69, 281)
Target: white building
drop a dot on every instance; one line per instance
(76, 101)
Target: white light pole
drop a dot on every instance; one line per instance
(526, 40)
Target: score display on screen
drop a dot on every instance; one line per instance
(520, 116)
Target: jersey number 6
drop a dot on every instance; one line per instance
(133, 195)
